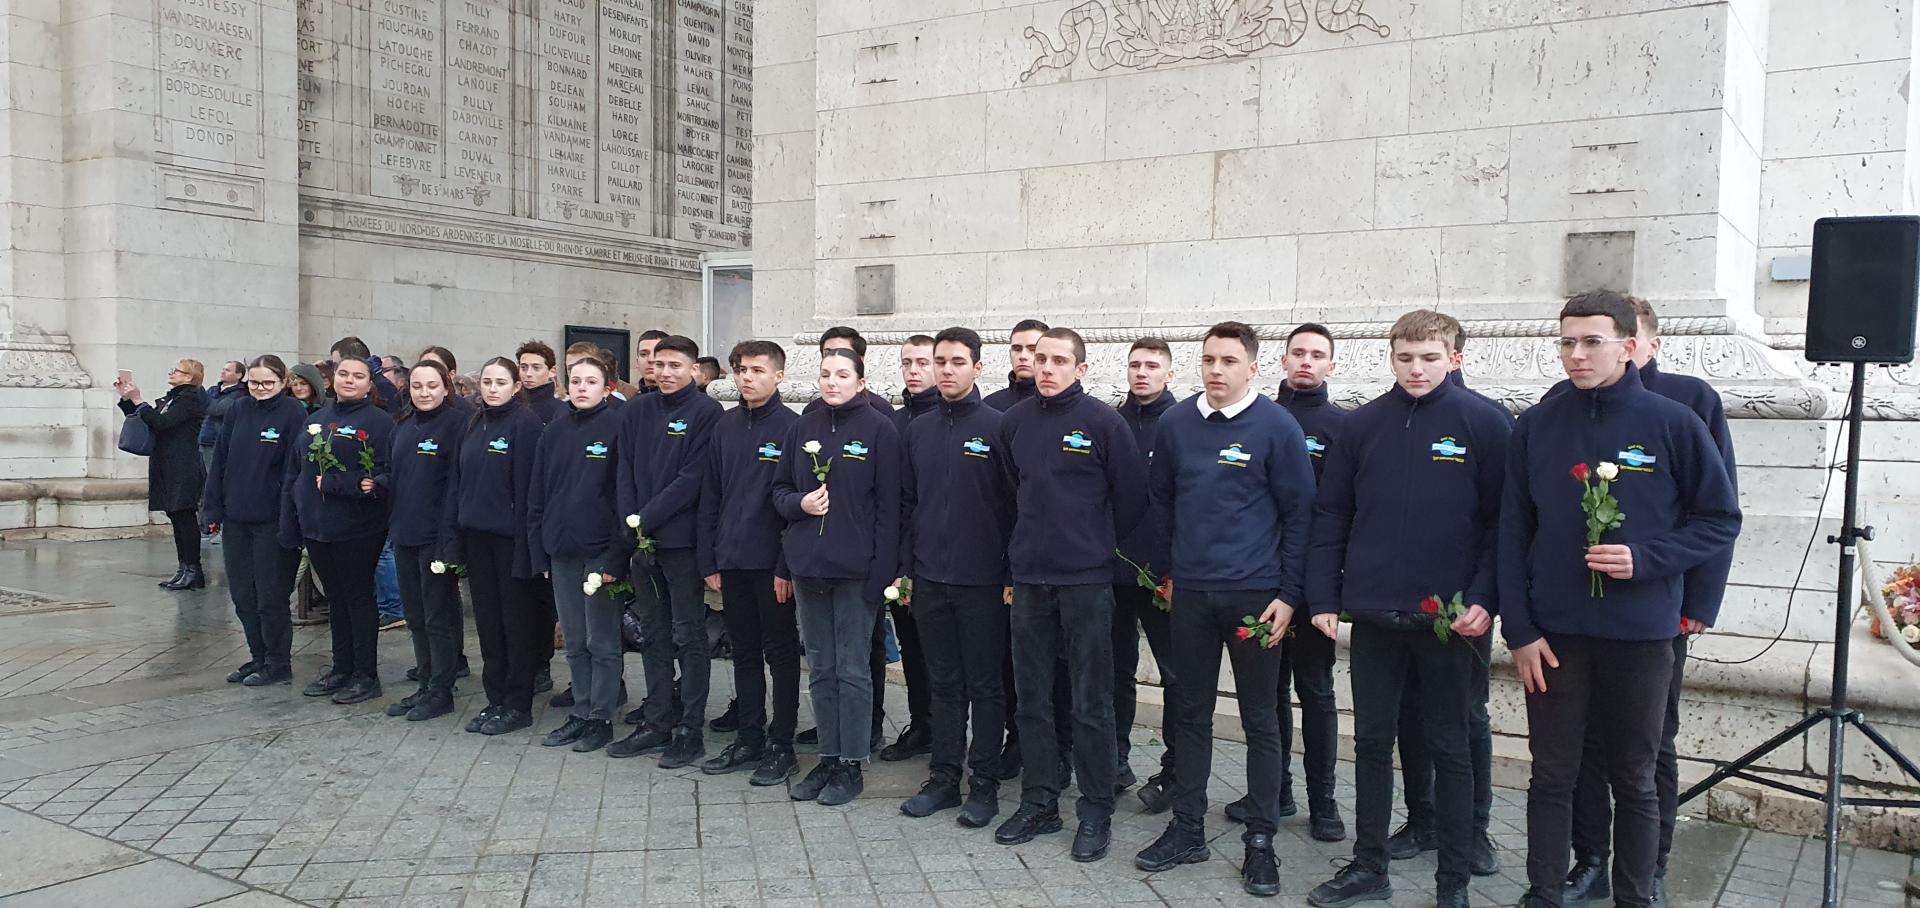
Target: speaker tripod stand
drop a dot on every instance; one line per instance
(1837, 716)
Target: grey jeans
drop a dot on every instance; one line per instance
(838, 627)
(592, 628)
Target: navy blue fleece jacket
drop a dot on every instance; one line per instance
(1149, 545)
(956, 504)
(1017, 390)
(425, 444)
(1079, 487)
(571, 503)
(257, 452)
(1239, 498)
(338, 510)
(859, 537)
(1680, 506)
(1318, 418)
(1409, 504)
(739, 529)
(914, 405)
(492, 480)
(664, 461)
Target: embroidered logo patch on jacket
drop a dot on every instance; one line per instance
(1636, 458)
(1449, 449)
(1076, 442)
(1234, 456)
(976, 447)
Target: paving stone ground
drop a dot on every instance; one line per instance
(116, 725)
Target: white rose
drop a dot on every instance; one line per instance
(892, 593)
(588, 587)
(812, 447)
(1608, 471)
(438, 567)
(633, 520)
(1911, 632)
(313, 429)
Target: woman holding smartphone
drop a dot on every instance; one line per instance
(487, 532)
(255, 454)
(582, 545)
(425, 442)
(339, 508)
(842, 549)
(175, 474)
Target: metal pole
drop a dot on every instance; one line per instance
(1842, 630)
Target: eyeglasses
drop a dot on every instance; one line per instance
(1589, 344)
(262, 385)
(178, 371)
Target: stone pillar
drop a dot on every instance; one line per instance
(783, 179)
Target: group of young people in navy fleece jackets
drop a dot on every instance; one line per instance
(1025, 541)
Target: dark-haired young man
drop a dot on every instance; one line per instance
(918, 395)
(659, 491)
(1705, 587)
(536, 361)
(1306, 657)
(643, 350)
(739, 549)
(957, 511)
(1020, 379)
(1232, 478)
(1078, 490)
(1138, 609)
(1404, 528)
(1584, 663)
(706, 369)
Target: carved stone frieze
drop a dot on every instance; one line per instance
(40, 365)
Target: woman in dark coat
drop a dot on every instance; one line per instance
(175, 475)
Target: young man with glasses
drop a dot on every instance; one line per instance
(1592, 635)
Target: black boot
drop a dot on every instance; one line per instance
(327, 684)
(359, 690)
(1407, 842)
(1587, 881)
(686, 747)
(1091, 839)
(431, 705)
(179, 571)
(982, 804)
(1157, 795)
(846, 783)
(729, 720)
(191, 578)
(936, 794)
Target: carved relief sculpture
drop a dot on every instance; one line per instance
(1143, 34)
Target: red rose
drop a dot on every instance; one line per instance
(1580, 472)
(1243, 633)
(1430, 605)
(332, 426)
(361, 435)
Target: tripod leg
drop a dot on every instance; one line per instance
(1836, 755)
(1886, 746)
(1746, 760)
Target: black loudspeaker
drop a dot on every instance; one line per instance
(1865, 290)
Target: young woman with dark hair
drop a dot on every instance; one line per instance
(487, 532)
(582, 546)
(339, 506)
(254, 456)
(424, 446)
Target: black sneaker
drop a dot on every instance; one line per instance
(1587, 881)
(1181, 843)
(1027, 822)
(1286, 806)
(776, 767)
(400, 707)
(413, 674)
(1485, 860)
(727, 721)
(506, 720)
(735, 757)
(982, 803)
(636, 715)
(543, 681)
(359, 690)
(846, 783)
(808, 738)
(431, 705)
(326, 685)
(1452, 898)
(914, 741)
(809, 787)
(643, 741)
(1239, 811)
(1009, 764)
(1091, 839)
(598, 732)
(480, 721)
(686, 748)
(937, 794)
(562, 699)
(565, 734)
(1407, 842)
(1124, 779)
(1066, 772)
(240, 674)
(1327, 826)
(268, 676)
(1157, 794)
(1260, 872)
(1352, 885)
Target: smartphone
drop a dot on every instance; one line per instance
(126, 377)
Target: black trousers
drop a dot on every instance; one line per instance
(260, 580)
(186, 536)
(508, 624)
(671, 602)
(1592, 804)
(766, 642)
(431, 603)
(1416, 763)
(346, 570)
(1617, 689)
(1389, 650)
(547, 615)
(1062, 701)
(913, 664)
(1134, 614)
(1306, 660)
(1202, 623)
(963, 636)
(1076, 620)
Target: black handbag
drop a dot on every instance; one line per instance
(136, 437)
